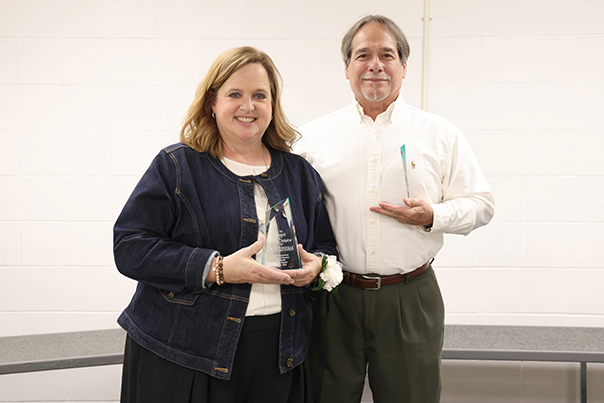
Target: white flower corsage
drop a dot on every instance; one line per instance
(331, 274)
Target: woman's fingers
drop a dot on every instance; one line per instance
(311, 267)
(241, 267)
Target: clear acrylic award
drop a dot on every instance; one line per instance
(404, 157)
(280, 243)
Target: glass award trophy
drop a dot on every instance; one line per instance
(280, 243)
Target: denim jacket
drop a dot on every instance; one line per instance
(186, 207)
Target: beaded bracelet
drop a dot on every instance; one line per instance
(218, 271)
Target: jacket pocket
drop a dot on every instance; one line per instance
(182, 298)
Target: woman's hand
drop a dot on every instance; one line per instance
(241, 267)
(311, 267)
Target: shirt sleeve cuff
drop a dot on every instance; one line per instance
(206, 270)
(439, 211)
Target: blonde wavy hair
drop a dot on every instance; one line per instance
(199, 129)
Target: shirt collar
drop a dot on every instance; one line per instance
(382, 118)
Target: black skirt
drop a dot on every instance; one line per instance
(149, 378)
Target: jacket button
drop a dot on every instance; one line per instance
(292, 312)
(171, 295)
(290, 362)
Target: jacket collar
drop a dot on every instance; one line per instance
(273, 171)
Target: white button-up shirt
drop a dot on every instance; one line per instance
(361, 165)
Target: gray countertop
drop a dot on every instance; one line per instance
(43, 352)
(524, 343)
(469, 342)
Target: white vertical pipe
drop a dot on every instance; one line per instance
(425, 55)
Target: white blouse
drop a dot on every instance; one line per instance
(265, 299)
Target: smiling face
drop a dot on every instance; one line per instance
(375, 71)
(243, 107)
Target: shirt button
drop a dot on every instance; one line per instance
(373, 221)
(374, 160)
(292, 312)
(290, 362)
(372, 190)
(372, 253)
(171, 295)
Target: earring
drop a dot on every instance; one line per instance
(213, 115)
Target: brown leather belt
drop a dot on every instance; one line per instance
(375, 282)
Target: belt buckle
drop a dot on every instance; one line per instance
(376, 277)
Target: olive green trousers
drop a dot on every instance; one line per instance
(393, 335)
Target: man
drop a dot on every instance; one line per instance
(390, 206)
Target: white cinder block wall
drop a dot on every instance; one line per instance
(90, 90)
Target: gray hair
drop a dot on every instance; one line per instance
(401, 41)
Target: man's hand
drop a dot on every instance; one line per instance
(414, 212)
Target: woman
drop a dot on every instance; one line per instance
(208, 322)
